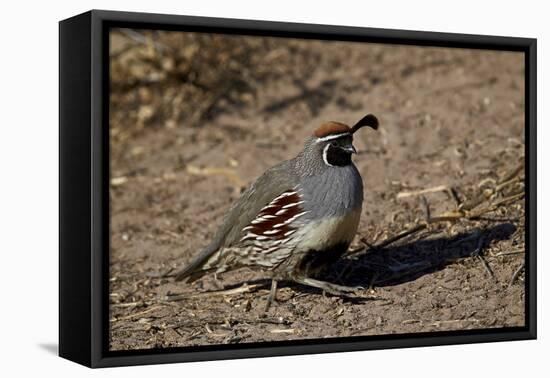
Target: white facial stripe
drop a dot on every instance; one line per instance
(325, 150)
(331, 137)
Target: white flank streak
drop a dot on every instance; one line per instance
(296, 216)
(272, 203)
(290, 232)
(285, 194)
(261, 237)
(259, 220)
(247, 228)
(249, 235)
(290, 220)
(292, 205)
(271, 232)
(280, 212)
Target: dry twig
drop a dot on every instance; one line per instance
(435, 189)
(239, 290)
(153, 308)
(516, 275)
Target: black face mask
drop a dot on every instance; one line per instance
(337, 156)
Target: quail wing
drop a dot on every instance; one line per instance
(268, 187)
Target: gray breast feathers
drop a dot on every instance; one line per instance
(335, 192)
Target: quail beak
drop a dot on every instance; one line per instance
(350, 149)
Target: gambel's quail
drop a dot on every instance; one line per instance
(299, 217)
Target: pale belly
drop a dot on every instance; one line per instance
(324, 234)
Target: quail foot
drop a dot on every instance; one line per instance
(296, 219)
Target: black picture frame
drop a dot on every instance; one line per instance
(84, 178)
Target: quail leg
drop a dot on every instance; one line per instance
(217, 282)
(330, 288)
(272, 297)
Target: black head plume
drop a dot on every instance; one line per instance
(368, 120)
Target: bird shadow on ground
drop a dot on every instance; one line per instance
(407, 262)
(400, 263)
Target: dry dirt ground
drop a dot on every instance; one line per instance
(196, 118)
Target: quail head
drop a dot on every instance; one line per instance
(296, 219)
